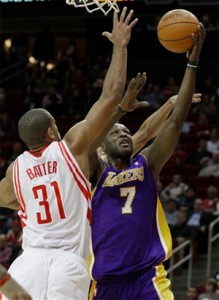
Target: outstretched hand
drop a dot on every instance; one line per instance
(122, 27)
(198, 38)
(196, 98)
(129, 101)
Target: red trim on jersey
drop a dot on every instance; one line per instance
(75, 172)
(38, 153)
(18, 185)
(89, 215)
(22, 215)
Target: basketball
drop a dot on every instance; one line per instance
(175, 28)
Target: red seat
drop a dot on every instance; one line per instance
(188, 170)
(198, 182)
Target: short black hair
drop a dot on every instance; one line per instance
(33, 126)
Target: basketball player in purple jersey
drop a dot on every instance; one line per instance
(49, 184)
(130, 236)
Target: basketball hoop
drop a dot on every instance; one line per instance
(91, 5)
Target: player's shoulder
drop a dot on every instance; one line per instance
(140, 158)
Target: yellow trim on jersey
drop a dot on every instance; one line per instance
(91, 259)
(92, 290)
(162, 284)
(90, 266)
(91, 254)
(163, 230)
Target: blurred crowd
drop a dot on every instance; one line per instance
(208, 291)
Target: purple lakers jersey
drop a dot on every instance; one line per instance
(129, 230)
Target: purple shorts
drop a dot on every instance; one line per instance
(147, 285)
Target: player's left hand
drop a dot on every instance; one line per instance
(129, 101)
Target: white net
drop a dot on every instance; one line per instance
(91, 5)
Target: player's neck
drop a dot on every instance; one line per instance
(38, 149)
(118, 163)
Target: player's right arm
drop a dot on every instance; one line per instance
(7, 194)
(10, 288)
(89, 133)
(151, 126)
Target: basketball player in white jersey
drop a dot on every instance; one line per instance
(49, 184)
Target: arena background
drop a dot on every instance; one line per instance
(145, 51)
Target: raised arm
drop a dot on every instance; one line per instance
(91, 129)
(10, 288)
(164, 144)
(151, 126)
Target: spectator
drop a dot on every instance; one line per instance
(171, 88)
(210, 288)
(180, 232)
(202, 127)
(192, 293)
(42, 84)
(155, 97)
(206, 21)
(211, 166)
(53, 102)
(171, 212)
(188, 199)
(213, 142)
(198, 224)
(176, 188)
(200, 153)
(210, 202)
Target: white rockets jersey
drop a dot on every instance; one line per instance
(55, 200)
